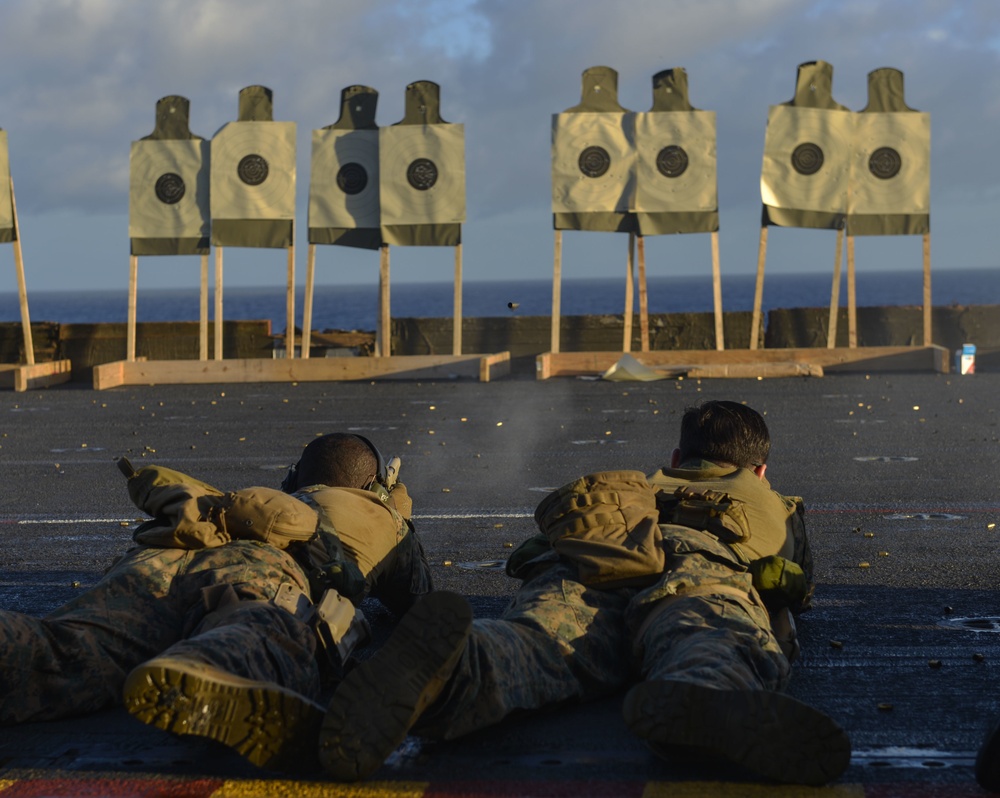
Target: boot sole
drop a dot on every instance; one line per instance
(269, 726)
(380, 700)
(769, 733)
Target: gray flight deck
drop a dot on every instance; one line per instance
(899, 473)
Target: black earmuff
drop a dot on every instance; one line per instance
(381, 471)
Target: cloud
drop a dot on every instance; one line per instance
(89, 73)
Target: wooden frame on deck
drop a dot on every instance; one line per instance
(241, 370)
(745, 364)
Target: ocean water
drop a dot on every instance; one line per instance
(355, 307)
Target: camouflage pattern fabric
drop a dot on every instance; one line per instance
(558, 641)
(703, 621)
(212, 605)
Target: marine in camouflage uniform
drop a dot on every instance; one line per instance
(694, 633)
(218, 610)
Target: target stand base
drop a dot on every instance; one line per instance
(750, 364)
(333, 369)
(37, 375)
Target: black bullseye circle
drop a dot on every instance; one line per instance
(672, 161)
(594, 161)
(807, 159)
(422, 174)
(352, 178)
(169, 188)
(885, 163)
(252, 169)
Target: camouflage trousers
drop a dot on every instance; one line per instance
(561, 641)
(211, 605)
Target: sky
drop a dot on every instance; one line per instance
(82, 78)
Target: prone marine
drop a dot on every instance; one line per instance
(234, 609)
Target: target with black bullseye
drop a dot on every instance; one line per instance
(344, 179)
(6, 205)
(253, 171)
(675, 162)
(890, 170)
(422, 174)
(807, 159)
(593, 163)
(168, 189)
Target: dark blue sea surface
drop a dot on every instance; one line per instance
(355, 307)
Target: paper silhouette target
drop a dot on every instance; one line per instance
(593, 163)
(169, 189)
(807, 159)
(344, 181)
(676, 162)
(890, 173)
(422, 174)
(253, 171)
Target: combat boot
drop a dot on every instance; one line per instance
(769, 733)
(268, 725)
(378, 702)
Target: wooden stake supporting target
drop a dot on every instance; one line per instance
(629, 293)
(217, 316)
(556, 291)
(717, 293)
(758, 291)
(456, 340)
(927, 289)
(831, 332)
(22, 290)
(383, 334)
(28, 375)
(643, 296)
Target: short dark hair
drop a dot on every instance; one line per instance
(725, 432)
(339, 459)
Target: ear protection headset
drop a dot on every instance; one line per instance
(290, 483)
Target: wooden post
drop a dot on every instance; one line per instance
(852, 297)
(556, 290)
(290, 305)
(927, 289)
(456, 336)
(758, 293)
(307, 302)
(717, 293)
(643, 297)
(22, 288)
(831, 329)
(384, 331)
(133, 278)
(218, 303)
(203, 311)
(629, 294)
